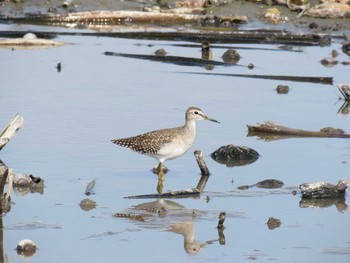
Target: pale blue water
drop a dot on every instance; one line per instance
(71, 116)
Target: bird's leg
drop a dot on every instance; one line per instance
(160, 185)
(160, 174)
(160, 171)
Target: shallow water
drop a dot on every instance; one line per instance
(71, 116)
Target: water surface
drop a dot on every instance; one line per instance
(71, 116)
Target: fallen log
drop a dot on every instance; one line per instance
(323, 190)
(271, 128)
(119, 18)
(238, 36)
(29, 42)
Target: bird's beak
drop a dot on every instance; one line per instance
(210, 119)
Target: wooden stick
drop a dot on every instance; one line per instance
(270, 127)
(201, 163)
(238, 36)
(222, 217)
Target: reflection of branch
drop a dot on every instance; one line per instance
(177, 60)
(10, 130)
(192, 192)
(344, 109)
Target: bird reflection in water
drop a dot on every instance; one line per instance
(186, 229)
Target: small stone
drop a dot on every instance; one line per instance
(87, 204)
(282, 89)
(26, 248)
(329, 62)
(29, 36)
(273, 223)
(334, 53)
(160, 52)
(273, 15)
(231, 56)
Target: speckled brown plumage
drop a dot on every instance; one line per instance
(148, 143)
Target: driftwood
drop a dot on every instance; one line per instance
(309, 79)
(238, 36)
(201, 163)
(324, 190)
(29, 42)
(11, 129)
(120, 18)
(272, 130)
(281, 48)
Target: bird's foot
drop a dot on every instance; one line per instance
(160, 169)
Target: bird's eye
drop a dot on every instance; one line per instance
(196, 112)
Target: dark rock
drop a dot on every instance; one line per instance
(270, 183)
(332, 130)
(232, 155)
(282, 89)
(231, 56)
(273, 223)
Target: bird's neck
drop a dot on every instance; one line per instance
(190, 126)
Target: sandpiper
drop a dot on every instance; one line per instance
(166, 144)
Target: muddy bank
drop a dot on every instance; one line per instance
(265, 14)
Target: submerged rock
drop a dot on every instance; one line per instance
(273, 15)
(231, 56)
(332, 130)
(23, 184)
(268, 184)
(87, 204)
(26, 248)
(323, 190)
(329, 62)
(273, 223)
(282, 89)
(329, 10)
(232, 155)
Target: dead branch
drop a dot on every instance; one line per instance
(272, 128)
(201, 163)
(238, 36)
